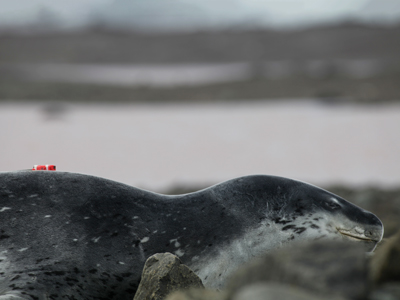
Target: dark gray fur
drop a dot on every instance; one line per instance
(73, 236)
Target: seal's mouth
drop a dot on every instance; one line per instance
(355, 235)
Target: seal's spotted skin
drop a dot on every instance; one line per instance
(72, 236)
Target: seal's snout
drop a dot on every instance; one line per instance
(374, 227)
(362, 225)
(374, 233)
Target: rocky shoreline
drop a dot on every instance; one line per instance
(336, 90)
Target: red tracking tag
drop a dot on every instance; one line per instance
(44, 168)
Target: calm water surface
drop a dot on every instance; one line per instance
(155, 146)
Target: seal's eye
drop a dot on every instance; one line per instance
(332, 205)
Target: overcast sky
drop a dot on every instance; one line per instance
(278, 12)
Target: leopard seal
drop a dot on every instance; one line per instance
(74, 236)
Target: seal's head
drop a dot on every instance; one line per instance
(338, 217)
(315, 213)
(301, 211)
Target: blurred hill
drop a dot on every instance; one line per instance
(100, 45)
(348, 60)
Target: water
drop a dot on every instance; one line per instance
(156, 146)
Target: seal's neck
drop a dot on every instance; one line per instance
(215, 268)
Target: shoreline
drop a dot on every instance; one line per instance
(377, 90)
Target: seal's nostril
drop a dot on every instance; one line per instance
(367, 233)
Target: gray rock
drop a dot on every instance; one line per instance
(324, 267)
(162, 274)
(276, 291)
(385, 264)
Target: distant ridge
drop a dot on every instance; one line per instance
(340, 41)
